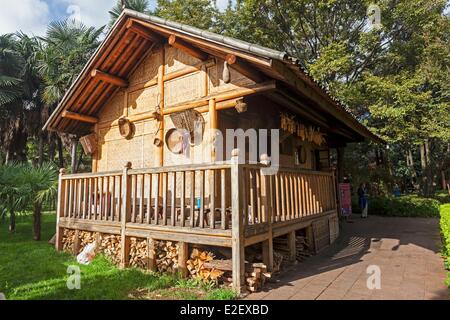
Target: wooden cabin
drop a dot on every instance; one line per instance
(151, 77)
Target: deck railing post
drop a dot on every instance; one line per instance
(60, 209)
(125, 215)
(267, 245)
(237, 230)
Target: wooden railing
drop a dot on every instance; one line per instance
(287, 195)
(225, 204)
(169, 196)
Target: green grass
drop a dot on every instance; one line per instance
(34, 270)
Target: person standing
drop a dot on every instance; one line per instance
(363, 200)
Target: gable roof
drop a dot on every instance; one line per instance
(122, 50)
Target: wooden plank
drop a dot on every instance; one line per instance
(149, 198)
(164, 199)
(79, 117)
(292, 246)
(183, 199)
(157, 192)
(95, 198)
(113, 199)
(141, 199)
(238, 252)
(143, 32)
(61, 209)
(183, 256)
(133, 197)
(151, 254)
(202, 199)
(212, 204)
(107, 199)
(173, 217)
(125, 216)
(101, 213)
(85, 198)
(223, 210)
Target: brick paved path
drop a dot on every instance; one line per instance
(405, 249)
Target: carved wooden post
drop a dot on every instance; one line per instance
(60, 209)
(125, 215)
(237, 231)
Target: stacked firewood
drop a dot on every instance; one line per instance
(68, 240)
(166, 255)
(256, 276)
(201, 265)
(138, 253)
(280, 245)
(86, 238)
(110, 247)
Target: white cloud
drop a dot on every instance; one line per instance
(90, 12)
(30, 16)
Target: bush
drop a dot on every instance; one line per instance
(404, 206)
(442, 196)
(445, 228)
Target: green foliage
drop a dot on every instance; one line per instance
(445, 228)
(32, 270)
(404, 206)
(442, 196)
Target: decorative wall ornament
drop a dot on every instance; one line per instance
(226, 76)
(241, 106)
(191, 121)
(126, 128)
(305, 133)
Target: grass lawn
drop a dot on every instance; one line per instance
(34, 270)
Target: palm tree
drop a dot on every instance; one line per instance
(24, 184)
(136, 5)
(43, 189)
(67, 47)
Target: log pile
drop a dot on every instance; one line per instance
(201, 265)
(86, 238)
(110, 247)
(138, 253)
(166, 255)
(68, 240)
(280, 245)
(256, 276)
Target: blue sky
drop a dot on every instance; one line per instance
(32, 16)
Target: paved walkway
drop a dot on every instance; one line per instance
(405, 249)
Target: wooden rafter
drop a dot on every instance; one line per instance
(143, 32)
(79, 117)
(187, 48)
(243, 68)
(109, 78)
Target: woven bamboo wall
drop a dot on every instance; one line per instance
(141, 98)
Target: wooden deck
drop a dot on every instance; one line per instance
(223, 204)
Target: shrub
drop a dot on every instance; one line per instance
(404, 206)
(442, 196)
(445, 228)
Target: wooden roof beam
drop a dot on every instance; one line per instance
(79, 117)
(187, 48)
(243, 68)
(143, 32)
(109, 78)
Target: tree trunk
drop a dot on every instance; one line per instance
(41, 150)
(37, 214)
(427, 172)
(12, 221)
(73, 156)
(60, 153)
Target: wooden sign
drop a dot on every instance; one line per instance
(89, 144)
